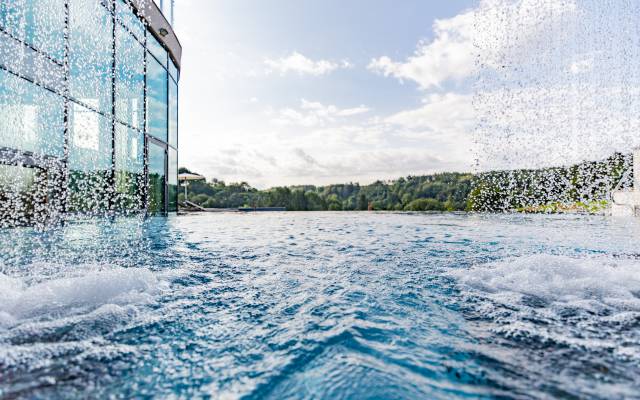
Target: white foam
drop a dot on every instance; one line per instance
(93, 289)
(579, 282)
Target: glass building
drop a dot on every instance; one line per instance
(88, 108)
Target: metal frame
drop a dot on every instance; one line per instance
(28, 159)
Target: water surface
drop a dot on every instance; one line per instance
(323, 305)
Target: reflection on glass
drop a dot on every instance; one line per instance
(157, 157)
(157, 99)
(90, 54)
(39, 23)
(125, 14)
(31, 118)
(89, 160)
(173, 70)
(129, 79)
(173, 113)
(157, 50)
(30, 64)
(172, 180)
(129, 168)
(105, 130)
(22, 193)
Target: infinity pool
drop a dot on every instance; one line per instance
(324, 306)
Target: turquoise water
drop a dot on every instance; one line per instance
(323, 306)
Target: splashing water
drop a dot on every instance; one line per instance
(73, 107)
(92, 288)
(320, 305)
(557, 87)
(323, 305)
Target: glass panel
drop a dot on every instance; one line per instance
(37, 22)
(173, 70)
(90, 55)
(129, 168)
(129, 79)
(173, 113)
(23, 192)
(125, 14)
(31, 118)
(157, 158)
(173, 180)
(157, 50)
(157, 100)
(17, 57)
(89, 160)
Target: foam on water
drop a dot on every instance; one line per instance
(93, 288)
(589, 282)
(68, 315)
(552, 308)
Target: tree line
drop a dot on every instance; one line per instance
(586, 187)
(439, 192)
(582, 187)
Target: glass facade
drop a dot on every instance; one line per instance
(157, 99)
(157, 176)
(21, 189)
(88, 109)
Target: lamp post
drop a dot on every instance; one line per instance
(185, 184)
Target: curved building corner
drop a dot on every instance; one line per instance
(88, 109)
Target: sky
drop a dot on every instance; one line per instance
(286, 92)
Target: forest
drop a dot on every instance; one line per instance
(583, 187)
(439, 192)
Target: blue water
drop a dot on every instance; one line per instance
(323, 306)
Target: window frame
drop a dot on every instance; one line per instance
(122, 14)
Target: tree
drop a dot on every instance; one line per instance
(425, 205)
(298, 201)
(363, 203)
(315, 202)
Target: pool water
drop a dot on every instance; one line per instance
(323, 306)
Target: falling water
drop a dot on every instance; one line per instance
(319, 305)
(557, 100)
(71, 109)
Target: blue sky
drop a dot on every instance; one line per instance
(286, 92)
(283, 92)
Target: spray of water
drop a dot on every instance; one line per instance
(557, 101)
(72, 109)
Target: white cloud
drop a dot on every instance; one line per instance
(445, 123)
(519, 44)
(315, 114)
(441, 114)
(581, 66)
(450, 56)
(302, 65)
(478, 36)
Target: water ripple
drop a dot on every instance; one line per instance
(385, 305)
